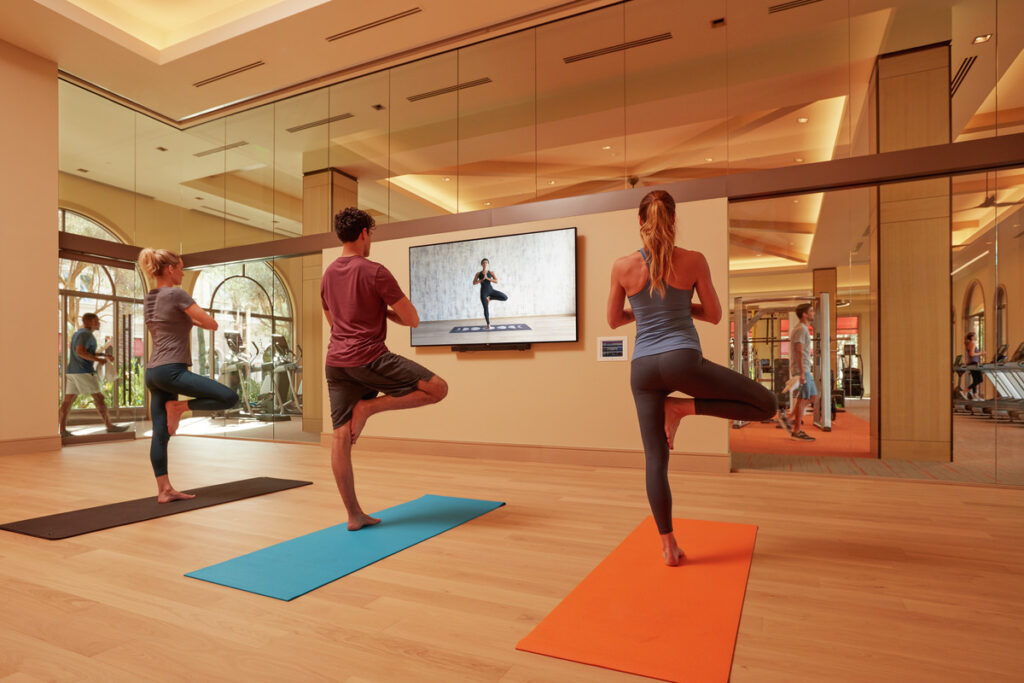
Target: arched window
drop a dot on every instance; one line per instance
(251, 304)
(115, 295)
(974, 313)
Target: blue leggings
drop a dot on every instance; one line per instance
(165, 383)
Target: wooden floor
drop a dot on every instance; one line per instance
(852, 580)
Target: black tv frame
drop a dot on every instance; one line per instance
(508, 346)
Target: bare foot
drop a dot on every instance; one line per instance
(175, 409)
(172, 494)
(673, 558)
(360, 414)
(671, 551)
(675, 410)
(363, 519)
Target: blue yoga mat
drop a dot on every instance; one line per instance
(292, 568)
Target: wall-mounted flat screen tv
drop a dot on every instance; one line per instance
(511, 289)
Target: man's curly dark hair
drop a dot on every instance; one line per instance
(350, 222)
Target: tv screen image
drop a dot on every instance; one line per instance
(525, 293)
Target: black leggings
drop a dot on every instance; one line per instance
(165, 383)
(976, 379)
(716, 391)
(494, 294)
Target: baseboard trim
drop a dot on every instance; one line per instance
(591, 457)
(39, 444)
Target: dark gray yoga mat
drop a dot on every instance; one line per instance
(77, 522)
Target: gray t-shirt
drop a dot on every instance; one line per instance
(169, 326)
(800, 335)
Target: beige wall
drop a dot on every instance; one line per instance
(28, 269)
(557, 395)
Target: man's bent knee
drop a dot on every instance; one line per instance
(436, 387)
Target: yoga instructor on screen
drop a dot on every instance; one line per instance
(659, 280)
(487, 279)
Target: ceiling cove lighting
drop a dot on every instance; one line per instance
(979, 256)
(982, 39)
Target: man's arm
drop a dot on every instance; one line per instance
(404, 313)
(797, 356)
(84, 354)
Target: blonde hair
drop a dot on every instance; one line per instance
(658, 233)
(153, 261)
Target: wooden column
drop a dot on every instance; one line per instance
(913, 252)
(324, 193)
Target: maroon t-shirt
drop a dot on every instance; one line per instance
(357, 293)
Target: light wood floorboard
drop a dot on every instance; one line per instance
(851, 580)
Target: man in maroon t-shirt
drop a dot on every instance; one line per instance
(359, 297)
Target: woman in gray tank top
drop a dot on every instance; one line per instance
(170, 314)
(660, 280)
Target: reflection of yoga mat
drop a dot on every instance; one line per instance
(67, 524)
(510, 327)
(291, 568)
(634, 614)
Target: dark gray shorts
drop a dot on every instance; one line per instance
(391, 374)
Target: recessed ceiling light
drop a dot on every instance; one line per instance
(487, 203)
(199, 198)
(982, 38)
(446, 179)
(708, 159)
(796, 201)
(162, 149)
(551, 182)
(799, 160)
(83, 170)
(606, 147)
(378, 107)
(802, 119)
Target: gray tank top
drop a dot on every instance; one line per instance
(663, 323)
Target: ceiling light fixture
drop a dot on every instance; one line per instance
(799, 160)
(802, 119)
(446, 179)
(606, 147)
(979, 256)
(162, 149)
(982, 39)
(487, 203)
(796, 201)
(551, 182)
(83, 170)
(708, 159)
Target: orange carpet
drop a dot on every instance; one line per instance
(850, 438)
(634, 614)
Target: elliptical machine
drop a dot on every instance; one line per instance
(234, 373)
(280, 371)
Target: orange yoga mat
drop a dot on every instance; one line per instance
(634, 614)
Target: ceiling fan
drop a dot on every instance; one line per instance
(990, 199)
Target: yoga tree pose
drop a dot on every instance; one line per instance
(659, 281)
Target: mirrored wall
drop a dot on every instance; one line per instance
(634, 94)
(925, 335)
